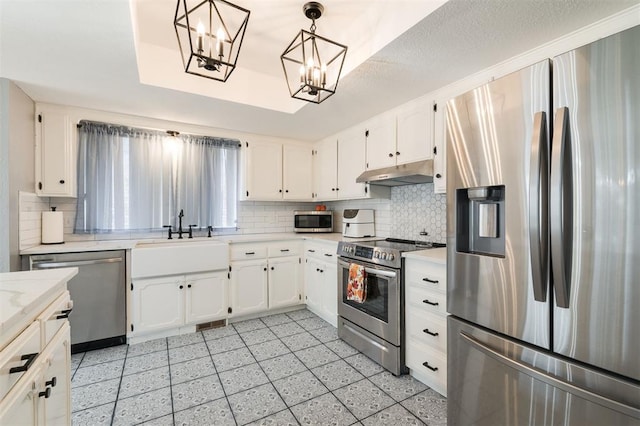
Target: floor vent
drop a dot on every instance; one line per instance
(211, 324)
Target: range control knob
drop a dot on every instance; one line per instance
(383, 255)
(376, 254)
(391, 256)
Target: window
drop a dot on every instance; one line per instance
(138, 179)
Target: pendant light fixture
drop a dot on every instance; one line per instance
(210, 34)
(312, 64)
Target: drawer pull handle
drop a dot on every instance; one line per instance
(250, 252)
(426, 364)
(426, 330)
(64, 314)
(30, 358)
(46, 393)
(430, 281)
(428, 302)
(311, 251)
(328, 255)
(284, 250)
(53, 382)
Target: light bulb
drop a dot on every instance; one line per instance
(219, 43)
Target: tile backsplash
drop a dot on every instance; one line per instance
(416, 208)
(411, 209)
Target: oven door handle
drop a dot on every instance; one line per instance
(380, 272)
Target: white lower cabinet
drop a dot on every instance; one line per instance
(284, 282)
(321, 280)
(265, 276)
(426, 321)
(248, 287)
(165, 303)
(42, 395)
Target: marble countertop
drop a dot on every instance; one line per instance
(23, 295)
(438, 255)
(104, 245)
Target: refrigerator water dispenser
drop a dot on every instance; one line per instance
(480, 220)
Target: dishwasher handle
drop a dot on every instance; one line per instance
(72, 263)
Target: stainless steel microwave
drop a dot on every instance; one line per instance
(313, 221)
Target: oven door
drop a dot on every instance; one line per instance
(380, 312)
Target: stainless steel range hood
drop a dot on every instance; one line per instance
(404, 174)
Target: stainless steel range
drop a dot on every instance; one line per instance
(375, 325)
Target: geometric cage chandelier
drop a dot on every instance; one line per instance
(312, 64)
(210, 34)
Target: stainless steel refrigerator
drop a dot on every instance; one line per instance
(543, 237)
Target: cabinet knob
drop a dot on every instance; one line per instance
(397, 153)
(62, 181)
(337, 189)
(181, 287)
(280, 190)
(189, 286)
(333, 189)
(272, 268)
(286, 190)
(265, 269)
(438, 175)
(390, 154)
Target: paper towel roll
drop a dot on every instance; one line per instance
(52, 228)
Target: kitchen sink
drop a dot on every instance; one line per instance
(154, 258)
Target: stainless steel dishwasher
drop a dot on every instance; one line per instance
(98, 292)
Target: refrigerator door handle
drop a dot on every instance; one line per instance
(538, 207)
(550, 380)
(561, 207)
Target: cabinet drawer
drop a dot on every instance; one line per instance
(425, 300)
(248, 251)
(52, 319)
(285, 248)
(19, 355)
(323, 253)
(428, 329)
(426, 275)
(424, 361)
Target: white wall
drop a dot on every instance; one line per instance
(4, 175)
(17, 139)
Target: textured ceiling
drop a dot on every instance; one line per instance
(82, 53)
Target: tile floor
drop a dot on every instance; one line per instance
(284, 369)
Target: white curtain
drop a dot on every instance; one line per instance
(138, 180)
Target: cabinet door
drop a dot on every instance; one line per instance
(284, 282)
(297, 172)
(263, 171)
(158, 304)
(415, 139)
(57, 376)
(249, 287)
(381, 142)
(329, 288)
(325, 169)
(19, 406)
(206, 297)
(55, 162)
(440, 149)
(313, 296)
(351, 164)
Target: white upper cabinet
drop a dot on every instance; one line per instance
(414, 129)
(297, 172)
(401, 136)
(325, 169)
(277, 171)
(263, 168)
(351, 163)
(381, 141)
(440, 148)
(55, 153)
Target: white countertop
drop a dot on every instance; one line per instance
(438, 255)
(103, 245)
(23, 295)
